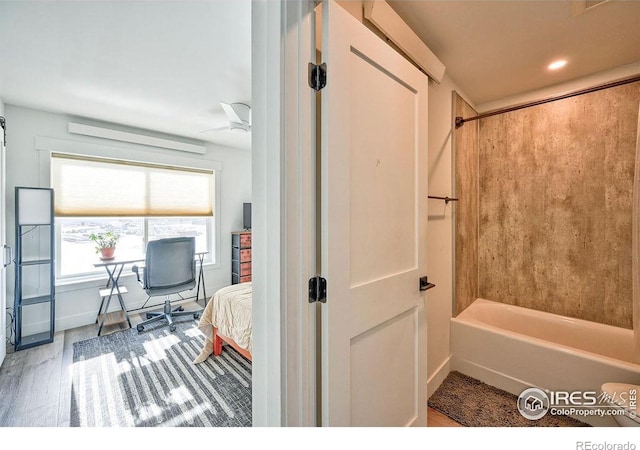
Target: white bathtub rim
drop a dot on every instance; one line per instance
(552, 316)
(596, 357)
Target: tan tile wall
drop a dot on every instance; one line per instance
(555, 206)
(635, 253)
(466, 209)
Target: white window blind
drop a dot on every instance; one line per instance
(101, 187)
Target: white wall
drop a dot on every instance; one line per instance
(440, 251)
(77, 304)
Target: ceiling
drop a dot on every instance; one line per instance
(162, 66)
(167, 65)
(495, 49)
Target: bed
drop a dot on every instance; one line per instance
(227, 319)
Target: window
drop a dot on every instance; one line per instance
(138, 201)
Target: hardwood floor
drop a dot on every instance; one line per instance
(436, 419)
(35, 384)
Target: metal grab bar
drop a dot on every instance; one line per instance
(446, 199)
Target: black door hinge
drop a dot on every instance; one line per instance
(317, 76)
(3, 124)
(317, 290)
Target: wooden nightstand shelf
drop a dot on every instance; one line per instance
(240, 257)
(111, 318)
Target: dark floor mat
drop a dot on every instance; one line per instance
(473, 403)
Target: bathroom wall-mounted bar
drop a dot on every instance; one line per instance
(461, 121)
(446, 199)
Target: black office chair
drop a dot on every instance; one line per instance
(170, 268)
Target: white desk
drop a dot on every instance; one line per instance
(114, 269)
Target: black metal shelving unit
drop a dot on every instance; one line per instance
(34, 264)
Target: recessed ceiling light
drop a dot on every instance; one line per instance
(557, 64)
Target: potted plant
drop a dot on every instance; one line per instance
(105, 243)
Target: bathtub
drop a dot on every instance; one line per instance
(514, 348)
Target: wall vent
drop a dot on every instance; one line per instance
(115, 135)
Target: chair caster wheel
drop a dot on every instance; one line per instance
(140, 328)
(172, 328)
(181, 308)
(196, 316)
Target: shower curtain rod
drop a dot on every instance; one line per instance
(461, 121)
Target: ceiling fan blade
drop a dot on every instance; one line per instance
(215, 129)
(230, 112)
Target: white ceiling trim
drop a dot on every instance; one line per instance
(389, 22)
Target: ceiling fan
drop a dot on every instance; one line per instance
(239, 116)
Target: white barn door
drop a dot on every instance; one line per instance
(374, 222)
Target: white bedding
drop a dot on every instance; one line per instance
(229, 310)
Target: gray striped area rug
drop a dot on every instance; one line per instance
(131, 379)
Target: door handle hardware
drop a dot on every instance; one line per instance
(425, 285)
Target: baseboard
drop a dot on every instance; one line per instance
(89, 317)
(496, 379)
(435, 380)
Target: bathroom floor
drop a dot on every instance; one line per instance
(473, 403)
(436, 419)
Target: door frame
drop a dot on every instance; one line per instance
(283, 194)
(3, 241)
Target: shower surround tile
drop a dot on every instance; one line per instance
(466, 217)
(555, 206)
